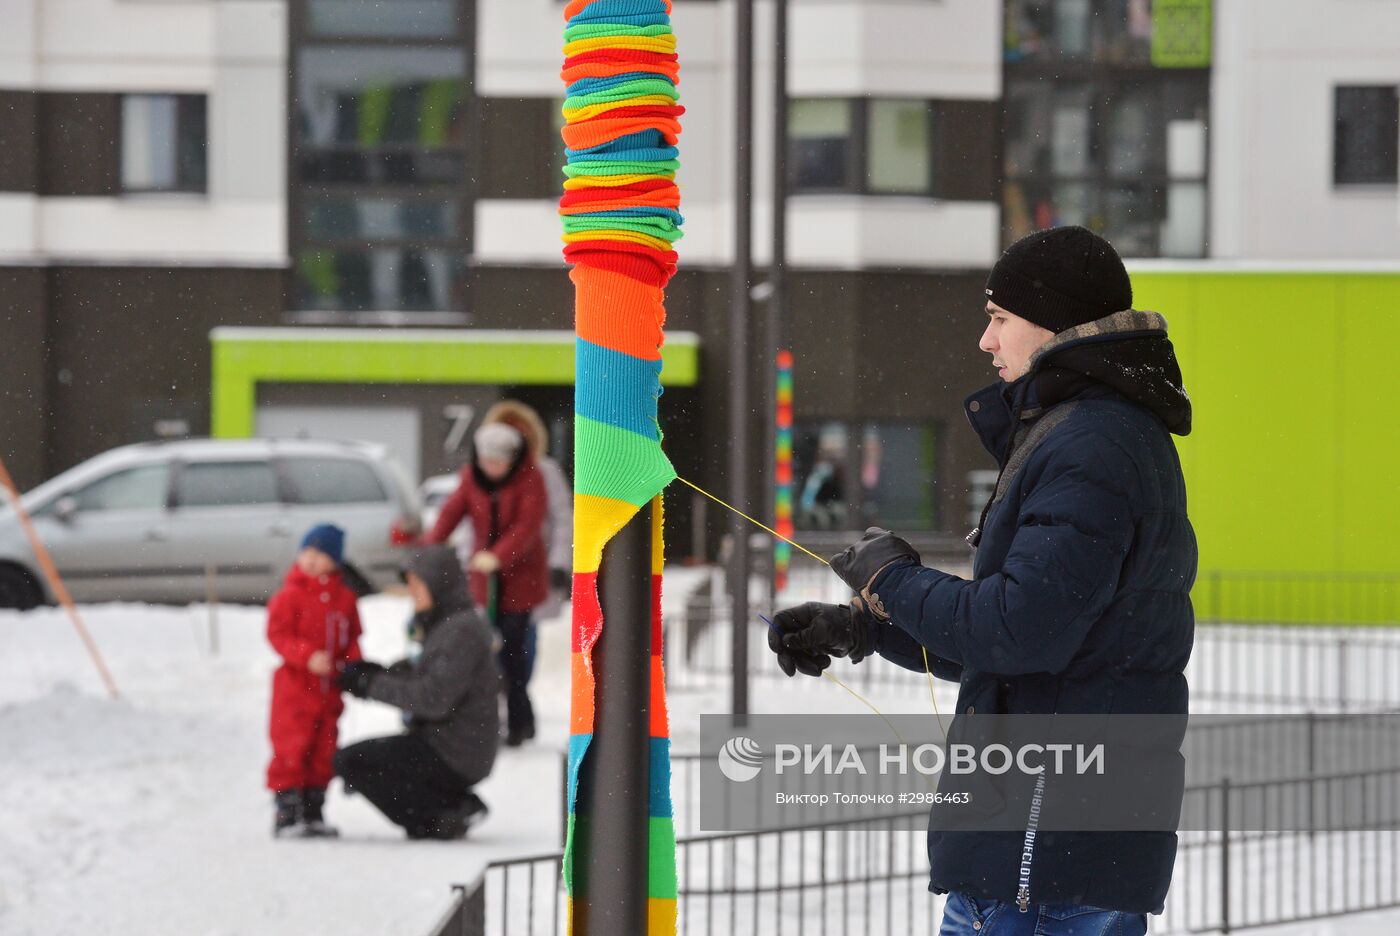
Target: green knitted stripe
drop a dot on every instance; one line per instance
(618, 463)
(630, 89)
(575, 843)
(656, 227)
(661, 858)
(594, 30)
(663, 169)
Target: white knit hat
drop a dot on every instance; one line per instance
(498, 442)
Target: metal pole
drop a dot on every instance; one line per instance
(564, 800)
(1225, 855)
(739, 409)
(777, 271)
(211, 598)
(615, 775)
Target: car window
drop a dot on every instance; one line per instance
(333, 481)
(226, 484)
(142, 488)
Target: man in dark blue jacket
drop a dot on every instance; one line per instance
(1080, 597)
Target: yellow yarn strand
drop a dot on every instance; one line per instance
(752, 520)
(928, 670)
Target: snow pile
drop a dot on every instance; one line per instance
(148, 815)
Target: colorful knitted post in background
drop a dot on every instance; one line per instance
(782, 472)
(620, 218)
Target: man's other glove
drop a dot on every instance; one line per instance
(859, 564)
(806, 637)
(357, 676)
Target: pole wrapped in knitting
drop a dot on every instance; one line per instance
(782, 471)
(620, 219)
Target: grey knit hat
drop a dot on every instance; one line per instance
(498, 442)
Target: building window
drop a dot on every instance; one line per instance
(861, 146)
(898, 144)
(384, 19)
(164, 143)
(381, 134)
(848, 476)
(360, 279)
(1163, 33)
(1105, 122)
(1366, 135)
(819, 145)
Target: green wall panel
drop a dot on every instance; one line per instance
(243, 358)
(1292, 464)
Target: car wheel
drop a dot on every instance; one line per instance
(18, 590)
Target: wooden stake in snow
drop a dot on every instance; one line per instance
(56, 585)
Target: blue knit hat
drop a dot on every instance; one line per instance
(328, 538)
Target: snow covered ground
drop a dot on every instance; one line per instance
(148, 815)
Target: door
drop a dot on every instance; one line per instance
(109, 538)
(229, 530)
(396, 428)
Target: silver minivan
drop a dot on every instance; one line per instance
(190, 520)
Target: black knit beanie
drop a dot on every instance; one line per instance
(1060, 278)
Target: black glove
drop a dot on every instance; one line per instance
(562, 580)
(806, 637)
(357, 675)
(859, 564)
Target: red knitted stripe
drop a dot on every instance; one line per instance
(620, 55)
(641, 263)
(613, 193)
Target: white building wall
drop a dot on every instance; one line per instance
(899, 48)
(235, 52)
(1276, 64)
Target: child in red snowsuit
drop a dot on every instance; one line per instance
(313, 624)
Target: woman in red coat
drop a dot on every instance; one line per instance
(502, 493)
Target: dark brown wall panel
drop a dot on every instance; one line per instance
(23, 384)
(80, 143)
(968, 154)
(521, 297)
(130, 346)
(521, 153)
(19, 141)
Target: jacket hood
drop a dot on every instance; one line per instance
(523, 419)
(1128, 352)
(439, 568)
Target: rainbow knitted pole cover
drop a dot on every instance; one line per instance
(782, 471)
(620, 219)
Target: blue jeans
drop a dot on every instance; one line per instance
(970, 916)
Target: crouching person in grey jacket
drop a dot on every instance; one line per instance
(422, 779)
